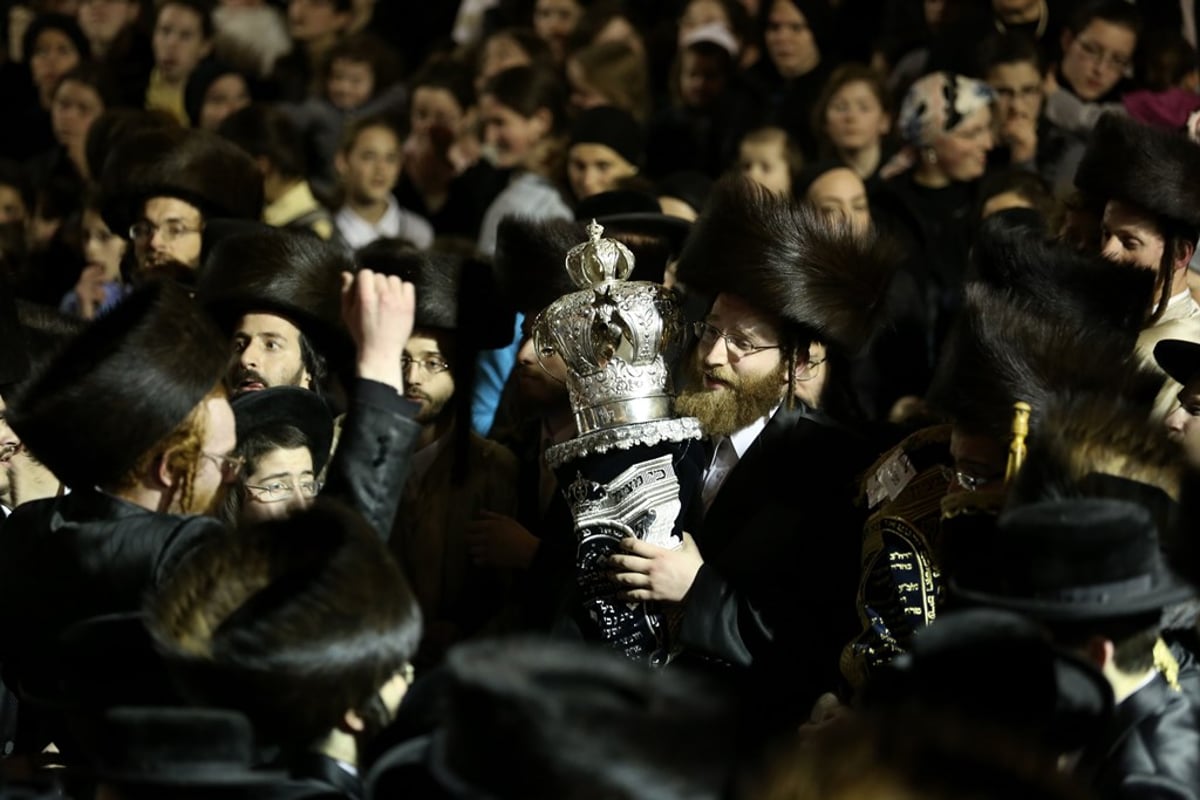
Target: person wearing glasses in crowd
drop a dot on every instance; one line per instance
(285, 435)
(761, 562)
(162, 186)
(1098, 48)
(143, 493)
(458, 477)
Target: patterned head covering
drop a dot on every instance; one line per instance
(938, 103)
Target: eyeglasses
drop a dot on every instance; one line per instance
(429, 366)
(807, 373)
(967, 480)
(172, 229)
(278, 491)
(737, 345)
(230, 466)
(1104, 58)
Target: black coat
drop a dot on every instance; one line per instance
(774, 601)
(1150, 749)
(86, 554)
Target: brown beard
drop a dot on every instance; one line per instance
(742, 402)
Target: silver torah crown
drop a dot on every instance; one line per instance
(614, 335)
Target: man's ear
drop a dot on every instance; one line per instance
(1183, 250)
(163, 474)
(1099, 651)
(352, 723)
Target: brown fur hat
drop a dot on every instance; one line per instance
(1146, 166)
(1104, 445)
(1004, 350)
(787, 259)
(530, 262)
(149, 361)
(292, 622)
(453, 293)
(1059, 280)
(257, 268)
(196, 166)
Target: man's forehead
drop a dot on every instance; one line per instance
(266, 324)
(731, 311)
(157, 209)
(428, 340)
(1126, 215)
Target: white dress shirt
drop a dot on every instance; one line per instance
(726, 455)
(395, 223)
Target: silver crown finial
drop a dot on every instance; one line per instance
(598, 259)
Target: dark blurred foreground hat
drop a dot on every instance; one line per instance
(998, 668)
(1072, 560)
(537, 719)
(180, 748)
(120, 386)
(287, 405)
(614, 128)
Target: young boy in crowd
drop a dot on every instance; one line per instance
(368, 165)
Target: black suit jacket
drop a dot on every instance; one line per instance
(774, 601)
(1150, 749)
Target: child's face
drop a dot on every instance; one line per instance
(350, 84)
(855, 119)
(12, 205)
(179, 43)
(371, 167)
(435, 108)
(510, 136)
(700, 80)
(766, 164)
(226, 95)
(101, 247)
(596, 168)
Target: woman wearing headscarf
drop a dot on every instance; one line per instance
(929, 188)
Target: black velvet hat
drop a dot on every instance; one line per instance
(545, 719)
(287, 405)
(180, 748)
(636, 219)
(1072, 560)
(147, 363)
(1031, 686)
(1146, 166)
(196, 166)
(255, 268)
(1179, 359)
(786, 259)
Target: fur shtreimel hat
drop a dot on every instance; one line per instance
(196, 166)
(1003, 350)
(1104, 445)
(1059, 280)
(453, 293)
(788, 260)
(150, 360)
(251, 267)
(291, 622)
(1145, 166)
(530, 262)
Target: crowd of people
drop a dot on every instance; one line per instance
(288, 373)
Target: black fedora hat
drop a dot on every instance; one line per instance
(1072, 560)
(287, 405)
(180, 748)
(1032, 686)
(1179, 359)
